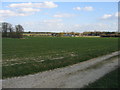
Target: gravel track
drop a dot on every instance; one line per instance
(74, 76)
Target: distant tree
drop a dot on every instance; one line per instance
(29, 31)
(12, 33)
(19, 31)
(6, 29)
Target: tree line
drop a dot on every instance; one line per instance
(102, 34)
(17, 32)
(11, 32)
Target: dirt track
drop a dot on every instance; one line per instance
(75, 76)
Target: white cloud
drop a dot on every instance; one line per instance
(95, 27)
(47, 25)
(9, 13)
(62, 15)
(44, 26)
(2, 19)
(87, 8)
(49, 5)
(29, 10)
(77, 8)
(106, 16)
(25, 9)
(117, 14)
(111, 16)
(55, 25)
(37, 5)
(77, 25)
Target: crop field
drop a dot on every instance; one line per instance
(35, 54)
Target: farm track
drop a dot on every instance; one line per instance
(74, 76)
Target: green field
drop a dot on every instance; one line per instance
(35, 54)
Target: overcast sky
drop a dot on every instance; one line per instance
(61, 16)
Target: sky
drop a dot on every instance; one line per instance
(62, 0)
(51, 16)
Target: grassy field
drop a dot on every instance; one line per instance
(35, 54)
(110, 80)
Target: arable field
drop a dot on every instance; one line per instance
(36, 54)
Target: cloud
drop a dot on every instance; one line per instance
(63, 15)
(29, 10)
(47, 25)
(95, 27)
(77, 8)
(7, 13)
(25, 9)
(117, 14)
(110, 16)
(44, 26)
(56, 25)
(2, 19)
(106, 16)
(46, 4)
(87, 8)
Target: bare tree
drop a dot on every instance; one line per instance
(6, 29)
(19, 31)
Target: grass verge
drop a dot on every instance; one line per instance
(110, 80)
